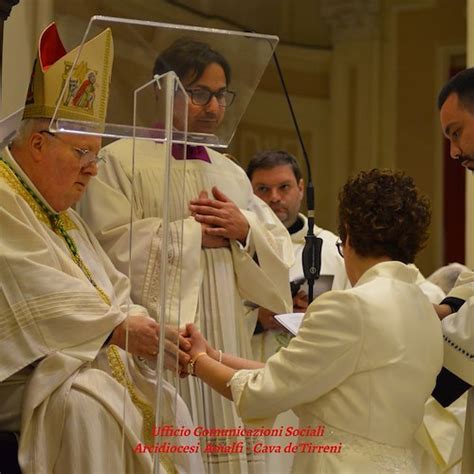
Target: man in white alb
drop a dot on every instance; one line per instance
(234, 248)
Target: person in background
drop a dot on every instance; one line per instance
(276, 179)
(456, 108)
(441, 434)
(446, 276)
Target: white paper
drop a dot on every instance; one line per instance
(290, 321)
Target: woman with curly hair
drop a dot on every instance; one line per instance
(365, 359)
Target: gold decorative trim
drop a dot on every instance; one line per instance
(119, 374)
(9, 177)
(59, 223)
(107, 67)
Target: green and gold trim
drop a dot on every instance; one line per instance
(119, 374)
(59, 223)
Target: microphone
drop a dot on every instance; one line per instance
(311, 257)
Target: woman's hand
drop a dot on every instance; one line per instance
(198, 343)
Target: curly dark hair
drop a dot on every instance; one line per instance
(384, 214)
(461, 84)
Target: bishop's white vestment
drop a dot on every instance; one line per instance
(59, 301)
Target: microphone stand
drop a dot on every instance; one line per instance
(311, 258)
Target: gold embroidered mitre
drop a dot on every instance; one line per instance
(85, 96)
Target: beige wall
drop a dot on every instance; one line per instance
(267, 123)
(22, 30)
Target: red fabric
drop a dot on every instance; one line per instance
(50, 47)
(192, 152)
(80, 92)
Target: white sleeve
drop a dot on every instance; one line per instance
(458, 334)
(322, 355)
(263, 277)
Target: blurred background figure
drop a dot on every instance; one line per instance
(445, 277)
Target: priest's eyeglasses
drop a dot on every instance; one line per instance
(86, 157)
(202, 96)
(339, 245)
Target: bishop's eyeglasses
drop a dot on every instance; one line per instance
(86, 157)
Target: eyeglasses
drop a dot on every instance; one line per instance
(202, 96)
(339, 245)
(86, 157)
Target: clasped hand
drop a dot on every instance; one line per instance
(220, 218)
(143, 340)
(198, 344)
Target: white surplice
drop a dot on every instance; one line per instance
(55, 322)
(458, 331)
(214, 281)
(359, 366)
(440, 436)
